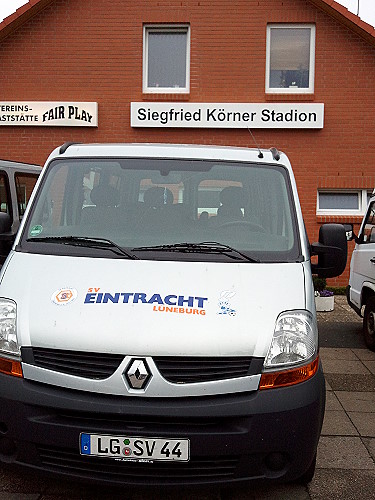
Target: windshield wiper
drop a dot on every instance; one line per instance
(203, 247)
(85, 241)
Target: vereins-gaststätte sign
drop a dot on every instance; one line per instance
(49, 114)
(227, 115)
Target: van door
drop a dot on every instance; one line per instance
(363, 263)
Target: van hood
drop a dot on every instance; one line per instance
(149, 308)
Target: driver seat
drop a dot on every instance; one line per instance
(231, 203)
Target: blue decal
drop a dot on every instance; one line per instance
(85, 444)
(95, 297)
(224, 303)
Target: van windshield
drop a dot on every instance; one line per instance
(169, 209)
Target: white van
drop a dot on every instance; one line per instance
(361, 289)
(17, 181)
(157, 318)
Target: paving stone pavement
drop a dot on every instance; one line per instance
(346, 452)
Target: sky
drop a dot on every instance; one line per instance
(366, 8)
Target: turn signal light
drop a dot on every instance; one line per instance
(289, 377)
(10, 367)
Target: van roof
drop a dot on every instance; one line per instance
(17, 165)
(182, 151)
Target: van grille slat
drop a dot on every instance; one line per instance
(91, 365)
(181, 369)
(198, 468)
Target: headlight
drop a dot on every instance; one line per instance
(295, 340)
(8, 327)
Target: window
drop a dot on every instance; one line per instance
(344, 202)
(368, 230)
(166, 59)
(24, 185)
(145, 202)
(290, 58)
(4, 194)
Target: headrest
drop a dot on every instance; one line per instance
(157, 197)
(105, 196)
(232, 196)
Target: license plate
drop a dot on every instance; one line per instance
(135, 448)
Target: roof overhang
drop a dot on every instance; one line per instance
(351, 21)
(330, 7)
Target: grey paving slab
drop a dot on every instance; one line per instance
(370, 365)
(342, 485)
(265, 491)
(332, 353)
(364, 422)
(342, 452)
(357, 401)
(364, 354)
(351, 382)
(328, 386)
(370, 445)
(332, 402)
(348, 367)
(337, 423)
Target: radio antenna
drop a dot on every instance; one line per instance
(260, 155)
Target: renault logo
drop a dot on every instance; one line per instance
(137, 374)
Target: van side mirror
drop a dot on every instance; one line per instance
(5, 223)
(332, 251)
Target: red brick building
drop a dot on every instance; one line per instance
(299, 73)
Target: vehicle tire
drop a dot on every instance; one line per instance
(309, 474)
(369, 323)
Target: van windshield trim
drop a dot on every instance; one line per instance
(167, 172)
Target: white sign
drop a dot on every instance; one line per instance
(227, 115)
(49, 114)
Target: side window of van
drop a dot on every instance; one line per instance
(24, 185)
(369, 225)
(4, 194)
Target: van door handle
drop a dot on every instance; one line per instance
(372, 260)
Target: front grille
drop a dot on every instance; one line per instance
(198, 469)
(85, 419)
(90, 365)
(185, 370)
(175, 369)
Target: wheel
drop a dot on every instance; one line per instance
(309, 474)
(369, 323)
(251, 225)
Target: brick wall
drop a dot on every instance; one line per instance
(84, 50)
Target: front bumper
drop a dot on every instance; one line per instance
(270, 434)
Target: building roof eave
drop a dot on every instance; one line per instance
(21, 16)
(347, 18)
(330, 7)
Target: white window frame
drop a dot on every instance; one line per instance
(362, 202)
(159, 28)
(291, 90)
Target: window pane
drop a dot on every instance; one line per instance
(338, 201)
(167, 59)
(3, 194)
(369, 226)
(144, 202)
(24, 185)
(289, 57)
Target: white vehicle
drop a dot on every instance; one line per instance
(361, 289)
(17, 181)
(157, 318)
